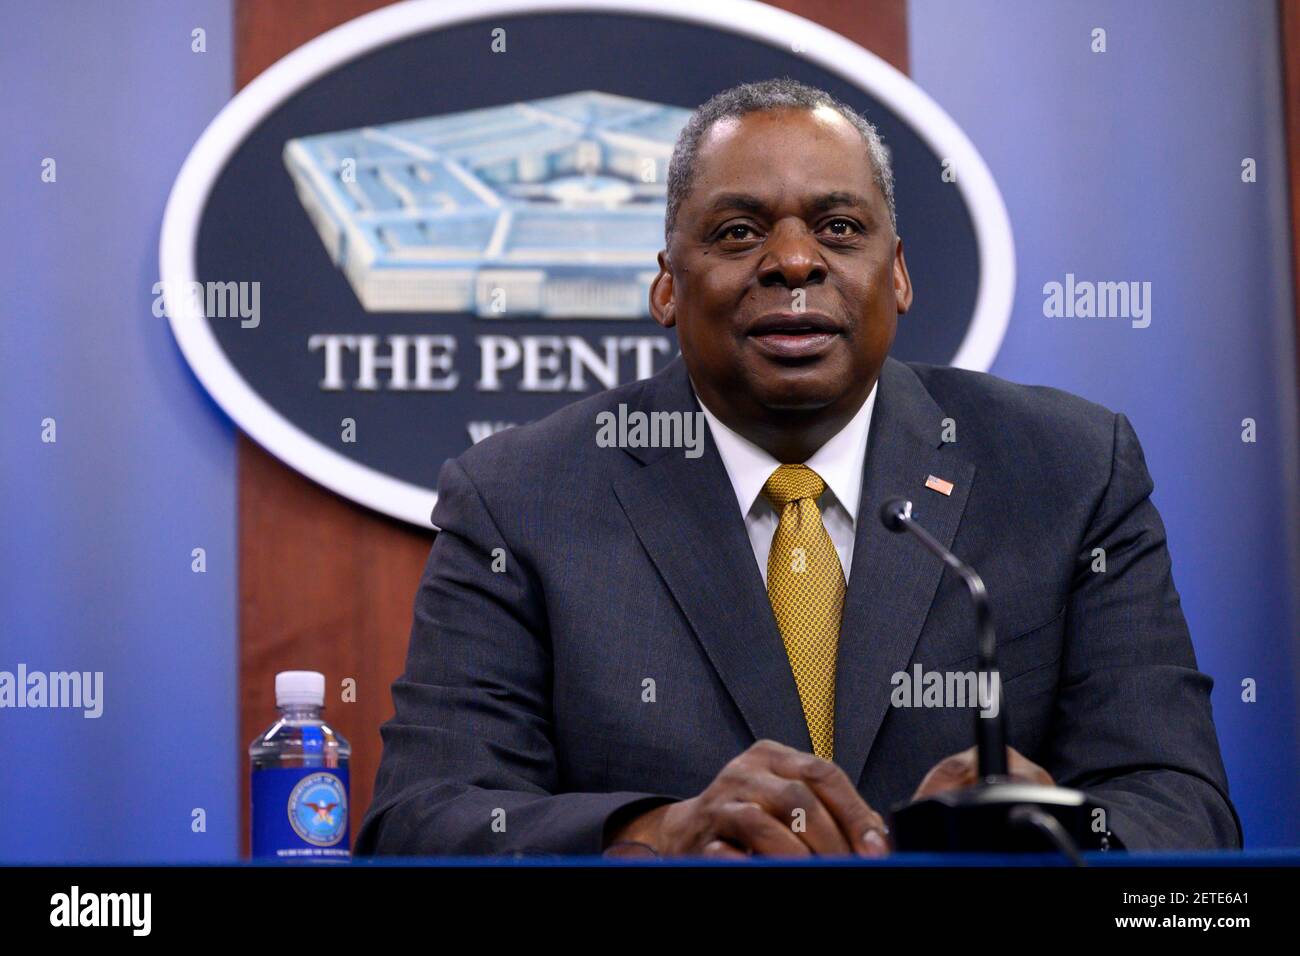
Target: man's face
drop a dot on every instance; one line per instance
(783, 275)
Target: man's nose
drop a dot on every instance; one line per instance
(792, 257)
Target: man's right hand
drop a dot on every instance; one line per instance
(771, 800)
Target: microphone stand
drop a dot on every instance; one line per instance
(998, 814)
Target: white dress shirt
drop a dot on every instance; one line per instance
(839, 462)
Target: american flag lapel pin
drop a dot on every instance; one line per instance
(939, 485)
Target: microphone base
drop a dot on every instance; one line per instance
(980, 820)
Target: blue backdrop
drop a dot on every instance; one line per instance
(1127, 166)
(1116, 166)
(98, 527)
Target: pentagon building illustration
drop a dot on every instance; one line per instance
(550, 208)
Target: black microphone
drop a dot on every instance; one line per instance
(997, 814)
(990, 732)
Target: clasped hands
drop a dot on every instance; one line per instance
(773, 800)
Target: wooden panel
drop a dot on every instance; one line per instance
(323, 584)
(328, 585)
(877, 25)
(264, 32)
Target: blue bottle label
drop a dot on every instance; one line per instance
(300, 813)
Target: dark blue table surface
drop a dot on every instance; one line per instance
(1289, 857)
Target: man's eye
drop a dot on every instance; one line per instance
(849, 224)
(729, 231)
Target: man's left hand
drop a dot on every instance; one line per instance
(961, 770)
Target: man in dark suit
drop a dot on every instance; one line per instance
(699, 649)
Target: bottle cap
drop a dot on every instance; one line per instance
(299, 687)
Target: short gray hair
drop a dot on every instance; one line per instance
(782, 93)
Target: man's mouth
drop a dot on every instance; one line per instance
(793, 335)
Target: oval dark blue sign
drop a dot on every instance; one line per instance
(441, 219)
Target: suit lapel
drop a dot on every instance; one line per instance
(685, 514)
(893, 581)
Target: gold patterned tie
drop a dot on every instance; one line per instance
(805, 584)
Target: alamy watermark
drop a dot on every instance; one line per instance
(215, 300)
(83, 690)
(75, 908)
(959, 689)
(651, 430)
(1098, 300)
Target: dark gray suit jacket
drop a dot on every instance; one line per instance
(522, 720)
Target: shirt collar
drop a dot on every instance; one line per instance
(839, 462)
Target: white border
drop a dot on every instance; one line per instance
(223, 137)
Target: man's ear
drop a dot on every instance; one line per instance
(902, 281)
(662, 307)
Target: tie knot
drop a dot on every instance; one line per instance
(792, 483)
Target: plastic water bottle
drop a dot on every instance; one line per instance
(300, 777)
